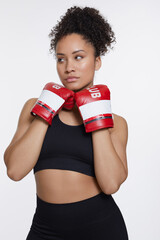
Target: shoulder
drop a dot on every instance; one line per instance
(25, 112)
(30, 101)
(120, 128)
(119, 121)
(29, 104)
(24, 120)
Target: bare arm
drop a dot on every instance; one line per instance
(22, 153)
(110, 158)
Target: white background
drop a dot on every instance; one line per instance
(130, 71)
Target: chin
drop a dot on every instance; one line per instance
(76, 88)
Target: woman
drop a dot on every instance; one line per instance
(72, 140)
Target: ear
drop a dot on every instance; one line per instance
(98, 63)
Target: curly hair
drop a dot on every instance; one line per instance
(87, 22)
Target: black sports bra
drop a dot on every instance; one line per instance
(66, 147)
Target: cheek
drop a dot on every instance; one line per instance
(86, 67)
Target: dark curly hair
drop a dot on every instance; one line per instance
(88, 23)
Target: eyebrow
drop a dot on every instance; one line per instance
(72, 52)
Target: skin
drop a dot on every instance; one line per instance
(73, 62)
(55, 185)
(82, 64)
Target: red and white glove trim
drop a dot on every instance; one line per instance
(51, 99)
(91, 111)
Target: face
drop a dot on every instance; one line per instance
(75, 57)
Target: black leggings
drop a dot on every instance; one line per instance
(95, 218)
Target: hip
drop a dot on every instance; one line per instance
(98, 217)
(79, 213)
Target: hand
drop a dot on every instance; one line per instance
(95, 107)
(53, 97)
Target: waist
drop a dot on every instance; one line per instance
(63, 186)
(76, 214)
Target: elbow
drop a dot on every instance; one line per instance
(9, 172)
(14, 176)
(113, 187)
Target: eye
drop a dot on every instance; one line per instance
(78, 56)
(59, 59)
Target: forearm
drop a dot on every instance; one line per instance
(23, 154)
(109, 169)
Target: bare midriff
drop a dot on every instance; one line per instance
(65, 186)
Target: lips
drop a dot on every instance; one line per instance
(72, 79)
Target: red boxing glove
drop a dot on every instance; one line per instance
(51, 100)
(95, 107)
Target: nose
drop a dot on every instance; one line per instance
(70, 66)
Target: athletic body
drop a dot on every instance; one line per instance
(61, 186)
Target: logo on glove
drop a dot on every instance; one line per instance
(96, 92)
